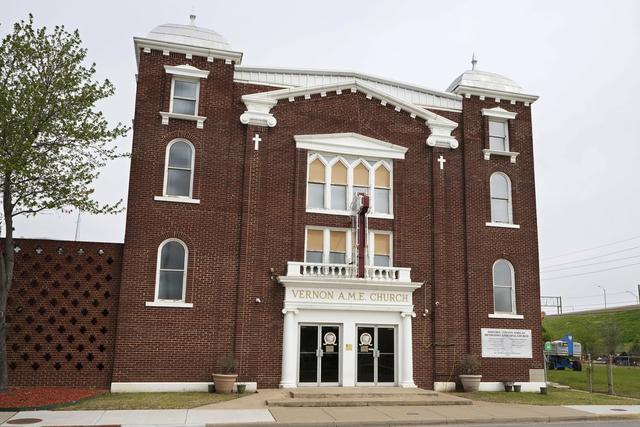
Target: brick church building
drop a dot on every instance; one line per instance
(327, 227)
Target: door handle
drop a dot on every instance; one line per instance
(319, 352)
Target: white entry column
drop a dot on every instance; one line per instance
(289, 349)
(406, 361)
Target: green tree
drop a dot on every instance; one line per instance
(53, 140)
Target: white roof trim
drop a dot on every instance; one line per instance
(298, 78)
(468, 90)
(186, 71)
(144, 43)
(350, 143)
(499, 113)
(440, 127)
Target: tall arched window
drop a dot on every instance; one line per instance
(382, 191)
(360, 179)
(339, 186)
(315, 187)
(504, 296)
(179, 169)
(501, 209)
(172, 271)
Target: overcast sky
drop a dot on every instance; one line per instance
(582, 58)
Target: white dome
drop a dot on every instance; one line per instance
(189, 35)
(485, 80)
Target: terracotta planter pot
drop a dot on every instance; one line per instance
(224, 382)
(470, 382)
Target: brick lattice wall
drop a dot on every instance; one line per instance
(62, 313)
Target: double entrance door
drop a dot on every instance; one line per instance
(376, 364)
(320, 361)
(319, 355)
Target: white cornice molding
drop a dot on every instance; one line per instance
(186, 71)
(440, 127)
(350, 143)
(482, 93)
(357, 284)
(499, 113)
(189, 51)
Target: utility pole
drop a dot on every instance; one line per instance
(637, 297)
(605, 295)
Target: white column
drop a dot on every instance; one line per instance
(406, 362)
(289, 351)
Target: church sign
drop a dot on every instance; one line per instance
(348, 296)
(506, 343)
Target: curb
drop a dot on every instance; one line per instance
(449, 421)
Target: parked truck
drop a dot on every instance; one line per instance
(564, 354)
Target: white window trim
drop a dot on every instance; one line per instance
(509, 203)
(171, 303)
(505, 316)
(372, 246)
(349, 254)
(501, 225)
(189, 74)
(514, 310)
(511, 154)
(170, 198)
(505, 124)
(326, 243)
(176, 199)
(311, 157)
(498, 114)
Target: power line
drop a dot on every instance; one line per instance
(590, 264)
(591, 248)
(593, 296)
(593, 257)
(592, 272)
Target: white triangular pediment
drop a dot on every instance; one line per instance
(352, 144)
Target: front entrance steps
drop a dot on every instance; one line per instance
(364, 396)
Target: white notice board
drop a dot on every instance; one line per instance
(506, 343)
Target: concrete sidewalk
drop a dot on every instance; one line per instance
(479, 412)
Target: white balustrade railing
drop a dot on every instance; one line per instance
(345, 271)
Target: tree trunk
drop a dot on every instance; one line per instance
(6, 276)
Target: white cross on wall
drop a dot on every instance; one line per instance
(257, 141)
(442, 161)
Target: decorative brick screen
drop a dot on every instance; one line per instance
(62, 313)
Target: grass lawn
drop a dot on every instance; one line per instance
(184, 400)
(626, 380)
(554, 397)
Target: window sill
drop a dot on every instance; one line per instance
(501, 225)
(506, 316)
(488, 153)
(172, 304)
(346, 213)
(198, 119)
(176, 199)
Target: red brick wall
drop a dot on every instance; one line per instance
(62, 313)
(251, 218)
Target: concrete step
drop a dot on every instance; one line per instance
(355, 393)
(345, 401)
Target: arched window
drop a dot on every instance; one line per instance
(172, 271)
(179, 172)
(504, 296)
(339, 186)
(315, 188)
(501, 209)
(382, 191)
(360, 179)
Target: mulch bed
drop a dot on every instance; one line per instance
(23, 398)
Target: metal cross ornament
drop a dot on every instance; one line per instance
(257, 140)
(442, 161)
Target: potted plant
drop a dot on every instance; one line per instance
(470, 365)
(225, 380)
(517, 388)
(508, 385)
